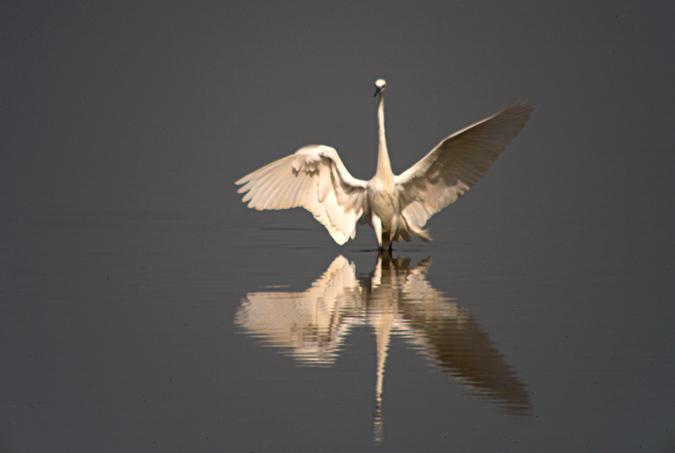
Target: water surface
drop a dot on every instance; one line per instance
(144, 308)
(154, 331)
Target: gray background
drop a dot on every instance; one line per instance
(126, 251)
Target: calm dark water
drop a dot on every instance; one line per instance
(142, 331)
(144, 308)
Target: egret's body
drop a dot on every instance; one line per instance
(396, 206)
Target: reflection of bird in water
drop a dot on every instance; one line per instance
(395, 299)
(396, 206)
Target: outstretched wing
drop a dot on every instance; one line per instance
(313, 178)
(453, 166)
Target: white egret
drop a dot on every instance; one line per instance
(396, 206)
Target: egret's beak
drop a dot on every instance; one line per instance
(378, 90)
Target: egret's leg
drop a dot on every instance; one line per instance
(386, 241)
(377, 226)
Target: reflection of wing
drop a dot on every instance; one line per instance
(456, 343)
(313, 322)
(395, 299)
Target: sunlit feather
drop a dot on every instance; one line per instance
(315, 178)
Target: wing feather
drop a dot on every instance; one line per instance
(456, 163)
(313, 178)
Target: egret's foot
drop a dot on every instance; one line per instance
(385, 254)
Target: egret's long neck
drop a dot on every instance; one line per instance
(383, 164)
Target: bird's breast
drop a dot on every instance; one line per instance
(383, 202)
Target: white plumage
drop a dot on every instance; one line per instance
(315, 178)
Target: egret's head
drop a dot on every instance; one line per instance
(380, 85)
